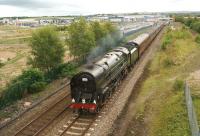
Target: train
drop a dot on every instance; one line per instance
(96, 82)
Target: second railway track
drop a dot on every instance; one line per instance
(38, 124)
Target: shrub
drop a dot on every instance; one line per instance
(166, 41)
(168, 62)
(197, 39)
(181, 34)
(196, 26)
(37, 86)
(31, 81)
(63, 70)
(178, 85)
(1, 64)
(179, 19)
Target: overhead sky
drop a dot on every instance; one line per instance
(84, 7)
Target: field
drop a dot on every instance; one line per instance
(161, 104)
(13, 52)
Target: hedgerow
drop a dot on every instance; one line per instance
(32, 81)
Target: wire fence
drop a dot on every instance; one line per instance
(191, 112)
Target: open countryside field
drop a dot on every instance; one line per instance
(13, 52)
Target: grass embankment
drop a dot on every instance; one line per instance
(162, 105)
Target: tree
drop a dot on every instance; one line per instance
(179, 19)
(80, 39)
(47, 49)
(110, 27)
(99, 30)
(196, 26)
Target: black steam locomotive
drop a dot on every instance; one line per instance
(95, 83)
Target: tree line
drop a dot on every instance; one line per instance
(192, 22)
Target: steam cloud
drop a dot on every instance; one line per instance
(105, 44)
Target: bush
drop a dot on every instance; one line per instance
(179, 19)
(197, 39)
(168, 62)
(37, 86)
(196, 26)
(64, 70)
(1, 64)
(31, 81)
(166, 41)
(181, 34)
(178, 85)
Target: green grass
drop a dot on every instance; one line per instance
(196, 103)
(172, 119)
(164, 103)
(15, 59)
(15, 40)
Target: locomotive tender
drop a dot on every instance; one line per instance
(95, 83)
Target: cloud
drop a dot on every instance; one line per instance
(26, 3)
(83, 7)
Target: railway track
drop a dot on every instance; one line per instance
(80, 125)
(37, 125)
(77, 126)
(33, 106)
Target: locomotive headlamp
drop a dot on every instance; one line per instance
(94, 102)
(73, 100)
(84, 79)
(83, 100)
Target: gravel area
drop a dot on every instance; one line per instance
(114, 109)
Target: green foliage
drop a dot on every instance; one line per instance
(168, 62)
(178, 85)
(172, 120)
(99, 30)
(64, 70)
(61, 28)
(171, 36)
(167, 40)
(193, 23)
(197, 39)
(196, 26)
(47, 49)
(1, 64)
(181, 34)
(80, 38)
(179, 19)
(109, 27)
(83, 37)
(31, 81)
